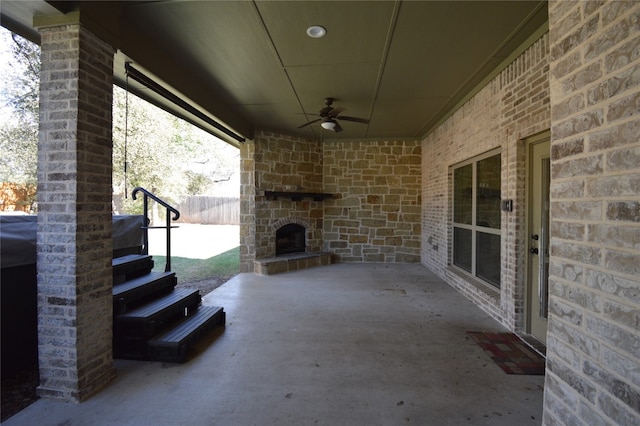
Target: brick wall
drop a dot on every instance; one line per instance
(510, 108)
(593, 374)
(74, 246)
(375, 213)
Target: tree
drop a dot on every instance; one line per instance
(20, 93)
(164, 154)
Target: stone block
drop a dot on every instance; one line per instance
(567, 189)
(576, 210)
(619, 413)
(607, 282)
(621, 313)
(621, 365)
(575, 38)
(623, 262)
(577, 339)
(577, 125)
(624, 108)
(567, 272)
(614, 186)
(567, 149)
(561, 390)
(572, 168)
(615, 236)
(572, 378)
(590, 414)
(624, 159)
(616, 336)
(623, 211)
(565, 312)
(622, 55)
(567, 230)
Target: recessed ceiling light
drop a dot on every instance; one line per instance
(316, 31)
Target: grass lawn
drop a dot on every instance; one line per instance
(225, 264)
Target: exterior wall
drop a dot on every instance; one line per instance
(74, 246)
(375, 213)
(593, 373)
(512, 107)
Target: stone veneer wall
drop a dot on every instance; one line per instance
(593, 367)
(274, 162)
(512, 107)
(375, 215)
(74, 246)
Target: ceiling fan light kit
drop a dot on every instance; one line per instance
(329, 125)
(329, 117)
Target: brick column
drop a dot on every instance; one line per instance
(74, 242)
(247, 206)
(593, 368)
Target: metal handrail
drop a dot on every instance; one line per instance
(145, 234)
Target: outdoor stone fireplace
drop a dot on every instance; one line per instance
(358, 200)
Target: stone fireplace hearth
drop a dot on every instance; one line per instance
(292, 244)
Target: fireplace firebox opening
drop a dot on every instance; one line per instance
(290, 239)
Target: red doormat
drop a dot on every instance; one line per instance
(509, 352)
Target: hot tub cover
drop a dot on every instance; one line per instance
(18, 237)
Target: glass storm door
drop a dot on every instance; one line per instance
(538, 239)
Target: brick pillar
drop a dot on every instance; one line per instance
(247, 206)
(74, 242)
(593, 354)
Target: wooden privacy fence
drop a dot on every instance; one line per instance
(17, 197)
(210, 210)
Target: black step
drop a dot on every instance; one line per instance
(140, 290)
(131, 266)
(172, 346)
(133, 328)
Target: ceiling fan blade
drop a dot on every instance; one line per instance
(335, 111)
(354, 119)
(338, 128)
(311, 122)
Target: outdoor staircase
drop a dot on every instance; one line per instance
(152, 320)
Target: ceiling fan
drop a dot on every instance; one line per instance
(329, 116)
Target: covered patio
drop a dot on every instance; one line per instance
(493, 145)
(345, 344)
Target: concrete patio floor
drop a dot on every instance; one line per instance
(346, 344)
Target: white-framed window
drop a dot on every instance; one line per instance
(477, 216)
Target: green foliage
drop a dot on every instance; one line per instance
(164, 154)
(20, 92)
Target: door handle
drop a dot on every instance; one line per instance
(533, 250)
